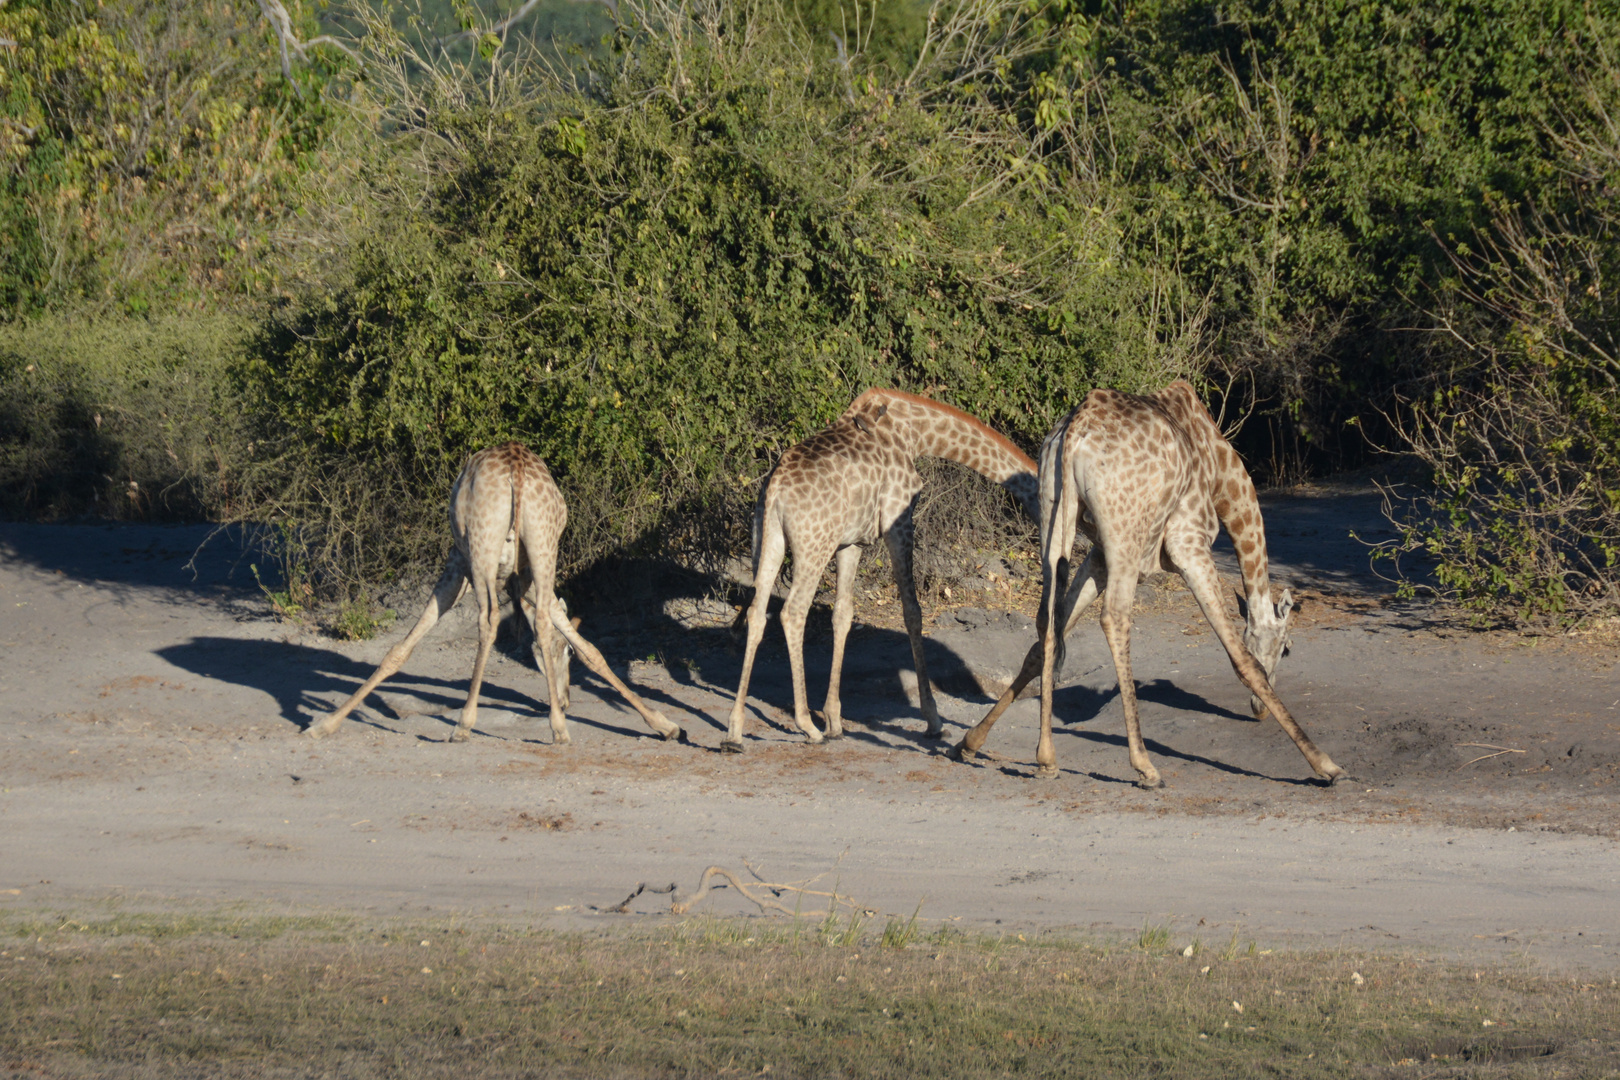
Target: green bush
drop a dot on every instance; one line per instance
(662, 285)
(151, 155)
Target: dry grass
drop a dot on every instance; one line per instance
(165, 996)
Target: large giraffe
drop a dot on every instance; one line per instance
(843, 488)
(1149, 479)
(506, 516)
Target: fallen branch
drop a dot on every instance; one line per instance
(754, 891)
(623, 906)
(1500, 750)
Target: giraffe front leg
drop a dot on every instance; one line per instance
(554, 654)
(899, 538)
(849, 559)
(1077, 598)
(593, 659)
(1198, 569)
(451, 584)
(976, 735)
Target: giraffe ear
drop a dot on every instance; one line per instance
(1285, 604)
(860, 422)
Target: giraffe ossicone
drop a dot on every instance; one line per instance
(1149, 479)
(841, 489)
(506, 517)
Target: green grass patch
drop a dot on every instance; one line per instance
(137, 995)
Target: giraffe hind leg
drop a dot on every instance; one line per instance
(1081, 592)
(795, 612)
(843, 616)
(772, 549)
(489, 613)
(552, 655)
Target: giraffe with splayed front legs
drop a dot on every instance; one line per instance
(506, 516)
(1149, 479)
(841, 489)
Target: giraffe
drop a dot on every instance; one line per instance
(841, 489)
(1149, 479)
(506, 515)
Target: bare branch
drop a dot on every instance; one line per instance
(275, 12)
(754, 892)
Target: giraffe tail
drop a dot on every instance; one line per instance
(1058, 519)
(767, 515)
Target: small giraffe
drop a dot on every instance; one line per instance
(506, 516)
(1149, 480)
(842, 488)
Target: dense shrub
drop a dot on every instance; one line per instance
(663, 284)
(122, 416)
(661, 241)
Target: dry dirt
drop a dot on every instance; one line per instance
(150, 716)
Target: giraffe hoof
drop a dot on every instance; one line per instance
(935, 733)
(731, 746)
(1046, 772)
(960, 752)
(315, 731)
(675, 734)
(461, 734)
(1149, 783)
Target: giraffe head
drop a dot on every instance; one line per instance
(1265, 635)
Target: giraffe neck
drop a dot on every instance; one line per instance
(1238, 507)
(932, 429)
(1236, 503)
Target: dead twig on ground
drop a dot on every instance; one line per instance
(1500, 750)
(623, 906)
(754, 892)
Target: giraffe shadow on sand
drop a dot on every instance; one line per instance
(1117, 741)
(304, 680)
(1089, 716)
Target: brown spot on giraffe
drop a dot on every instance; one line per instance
(1142, 511)
(506, 516)
(841, 489)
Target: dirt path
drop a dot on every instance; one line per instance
(149, 719)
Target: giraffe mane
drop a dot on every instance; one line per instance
(871, 396)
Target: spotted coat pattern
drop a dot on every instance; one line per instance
(1148, 479)
(506, 516)
(841, 489)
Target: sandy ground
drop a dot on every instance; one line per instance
(150, 719)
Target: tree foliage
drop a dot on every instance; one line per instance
(661, 241)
